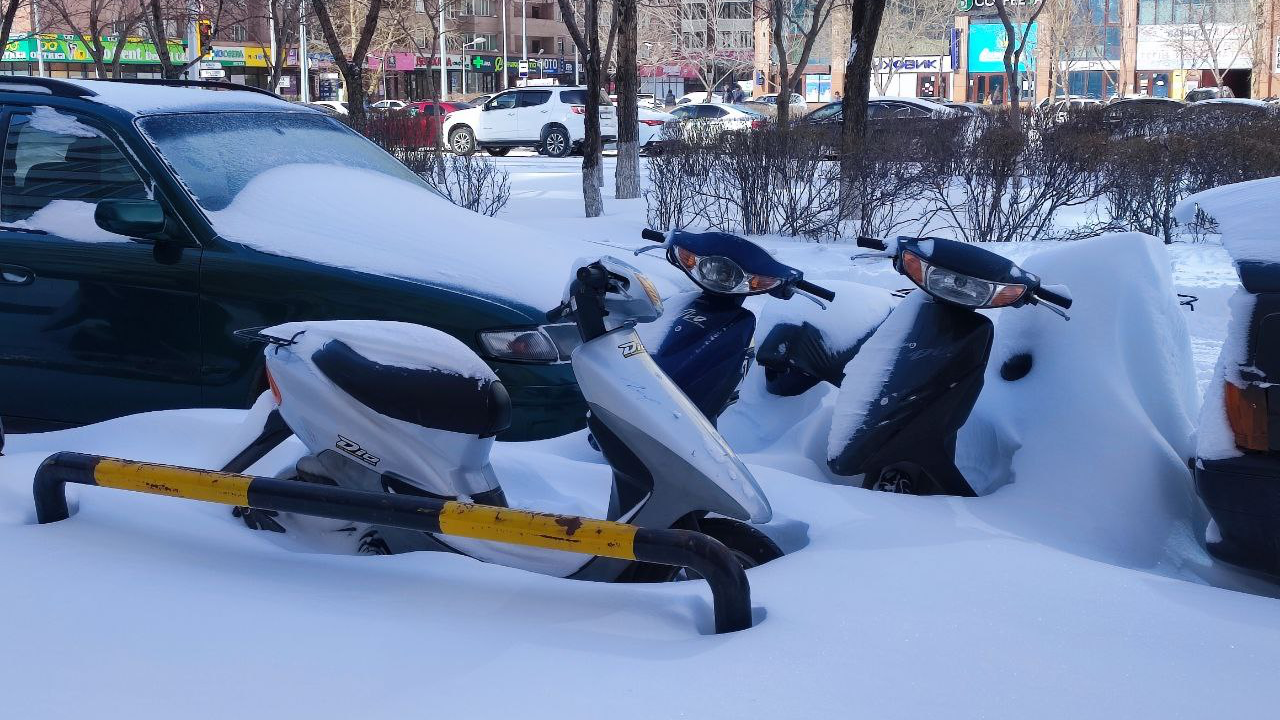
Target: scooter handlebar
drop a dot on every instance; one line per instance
(872, 243)
(653, 235)
(1050, 296)
(815, 290)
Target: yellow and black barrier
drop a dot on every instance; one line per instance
(682, 548)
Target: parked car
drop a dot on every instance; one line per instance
(797, 100)
(326, 109)
(1209, 93)
(643, 100)
(429, 116)
(1222, 112)
(1060, 108)
(389, 105)
(655, 127)
(334, 105)
(150, 221)
(708, 122)
(693, 97)
(1138, 115)
(549, 119)
(964, 108)
(882, 109)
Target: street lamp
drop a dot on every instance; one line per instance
(540, 51)
(648, 54)
(473, 43)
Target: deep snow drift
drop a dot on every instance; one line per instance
(1051, 597)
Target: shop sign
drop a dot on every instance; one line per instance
(968, 5)
(239, 56)
(72, 49)
(482, 63)
(433, 61)
(987, 43)
(919, 64)
(1192, 47)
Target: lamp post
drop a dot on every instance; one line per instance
(524, 34)
(540, 62)
(653, 78)
(504, 46)
(473, 43)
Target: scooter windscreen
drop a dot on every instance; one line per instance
(630, 298)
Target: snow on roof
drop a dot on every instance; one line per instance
(1247, 216)
(144, 99)
(1235, 101)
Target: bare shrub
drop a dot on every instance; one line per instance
(473, 182)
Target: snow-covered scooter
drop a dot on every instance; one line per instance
(399, 408)
(708, 348)
(908, 387)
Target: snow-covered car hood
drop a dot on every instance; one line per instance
(1244, 214)
(370, 222)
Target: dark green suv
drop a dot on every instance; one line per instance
(142, 224)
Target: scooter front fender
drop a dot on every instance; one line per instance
(692, 466)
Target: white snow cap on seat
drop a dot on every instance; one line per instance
(398, 344)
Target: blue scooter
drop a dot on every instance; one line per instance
(709, 347)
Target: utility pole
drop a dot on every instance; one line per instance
(524, 36)
(193, 39)
(35, 30)
(271, 31)
(444, 59)
(304, 63)
(504, 45)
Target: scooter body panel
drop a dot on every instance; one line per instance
(707, 349)
(930, 359)
(692, 467)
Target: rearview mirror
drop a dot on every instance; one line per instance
(142, 219)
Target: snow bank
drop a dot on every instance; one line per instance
(1247, 214)
(1104, 422)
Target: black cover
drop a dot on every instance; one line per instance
(428, 398)
(1243, 496)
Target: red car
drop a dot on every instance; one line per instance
(430, 115)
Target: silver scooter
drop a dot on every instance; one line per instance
(400, 408)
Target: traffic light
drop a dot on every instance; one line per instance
(204, 37)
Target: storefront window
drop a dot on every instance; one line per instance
(1180, 12)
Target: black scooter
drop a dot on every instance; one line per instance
(908, 387)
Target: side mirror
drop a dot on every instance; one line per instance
(142, 219)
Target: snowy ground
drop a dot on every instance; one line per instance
(1077, 591)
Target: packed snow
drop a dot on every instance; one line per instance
(1078, 589)
(49, 120)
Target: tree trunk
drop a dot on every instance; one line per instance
(1011, 59)
(864, 18)
(587, 40)
(627, 173)
(784, 73)
(351, 68)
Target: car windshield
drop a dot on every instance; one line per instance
(217, 154)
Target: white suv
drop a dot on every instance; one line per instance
(548, 119)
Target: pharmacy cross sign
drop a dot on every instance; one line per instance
(477, 62)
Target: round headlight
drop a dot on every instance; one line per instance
(719, 273)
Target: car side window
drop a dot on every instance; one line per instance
(505, 101)
(878, 110)
(684, 112)
(55, 162)
(533, 98)
(826, 112)
(711, 112)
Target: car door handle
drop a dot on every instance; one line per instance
(16, 275)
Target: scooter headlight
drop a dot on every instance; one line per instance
(722, 275)
(959, 288)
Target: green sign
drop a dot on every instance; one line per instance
(480, 63)
(72, 49)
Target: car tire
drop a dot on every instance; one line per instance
(497, 151)
(556, 142)
(462, 141)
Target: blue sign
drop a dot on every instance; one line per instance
(955, 48)
(987, 43)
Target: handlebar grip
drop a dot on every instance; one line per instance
(872, 243)
(1050, 296)
(816, 290)
(653, 235)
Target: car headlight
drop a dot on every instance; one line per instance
(957, 287)
(541, 344)
(722, 275)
